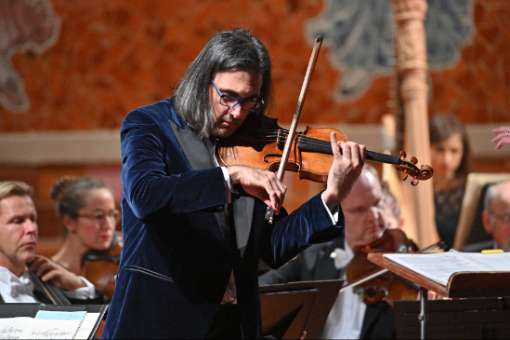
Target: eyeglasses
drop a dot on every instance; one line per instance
(231, 101)
(504, 218)
(101, 217)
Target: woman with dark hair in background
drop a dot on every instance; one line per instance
(450, 157)
(86, 208)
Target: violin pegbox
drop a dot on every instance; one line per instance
(409, 168)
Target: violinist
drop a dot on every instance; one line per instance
(24, 276)
(368, 211)
(194, 231)
(86, 208)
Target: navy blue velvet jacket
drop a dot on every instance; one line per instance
(176, 260)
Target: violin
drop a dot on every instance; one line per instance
(100, 267)
(260, 143)
(385, 285)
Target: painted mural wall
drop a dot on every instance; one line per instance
(82, 64)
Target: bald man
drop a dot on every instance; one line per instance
(495, 218)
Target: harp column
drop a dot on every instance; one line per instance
(411, 69)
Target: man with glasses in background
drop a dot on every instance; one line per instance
(369, 209)
(194, 231)
(26, 277)
(495, 218)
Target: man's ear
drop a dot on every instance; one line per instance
(70, 223)
(487, 222)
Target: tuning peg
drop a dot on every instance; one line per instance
(414, 160)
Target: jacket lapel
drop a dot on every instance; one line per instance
(200, 155)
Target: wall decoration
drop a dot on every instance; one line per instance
(359, 35)
(25, 26)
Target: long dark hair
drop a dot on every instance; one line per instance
(233, 50)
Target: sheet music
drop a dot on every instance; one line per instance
(15, 328)
(440, 266)
(30, 328)
(54, 329)
(87, 326)
(45, 325)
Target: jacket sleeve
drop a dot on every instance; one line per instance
(289, 272)
(308, 224)
(155, 175)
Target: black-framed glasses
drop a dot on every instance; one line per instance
(101, 216)
(231, 101)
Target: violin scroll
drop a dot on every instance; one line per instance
(409, 168)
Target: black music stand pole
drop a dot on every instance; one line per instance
(422, 317)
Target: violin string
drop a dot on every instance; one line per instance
(269, 135)
(304, 142)
(311, 144)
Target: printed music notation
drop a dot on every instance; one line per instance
(439, 267)
(49, 325)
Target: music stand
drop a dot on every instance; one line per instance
(463, 283)
(290, 309)
(9, 310)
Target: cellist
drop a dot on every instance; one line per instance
(192, 228)
(26, 277)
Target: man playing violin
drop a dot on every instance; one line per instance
(25, 276)
(367, 214)
(194, 231)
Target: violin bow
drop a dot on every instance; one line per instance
(295, 119)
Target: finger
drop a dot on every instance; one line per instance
(334, 145)
(280, 192)
(43, 269)
(355, 154)
(362, 152)
(497, 141)
(360, 156)
(52, 276)
(282, 188)
(345, 150)
(36, 264)
(501, 143)
(501, 129)
(272, 189)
